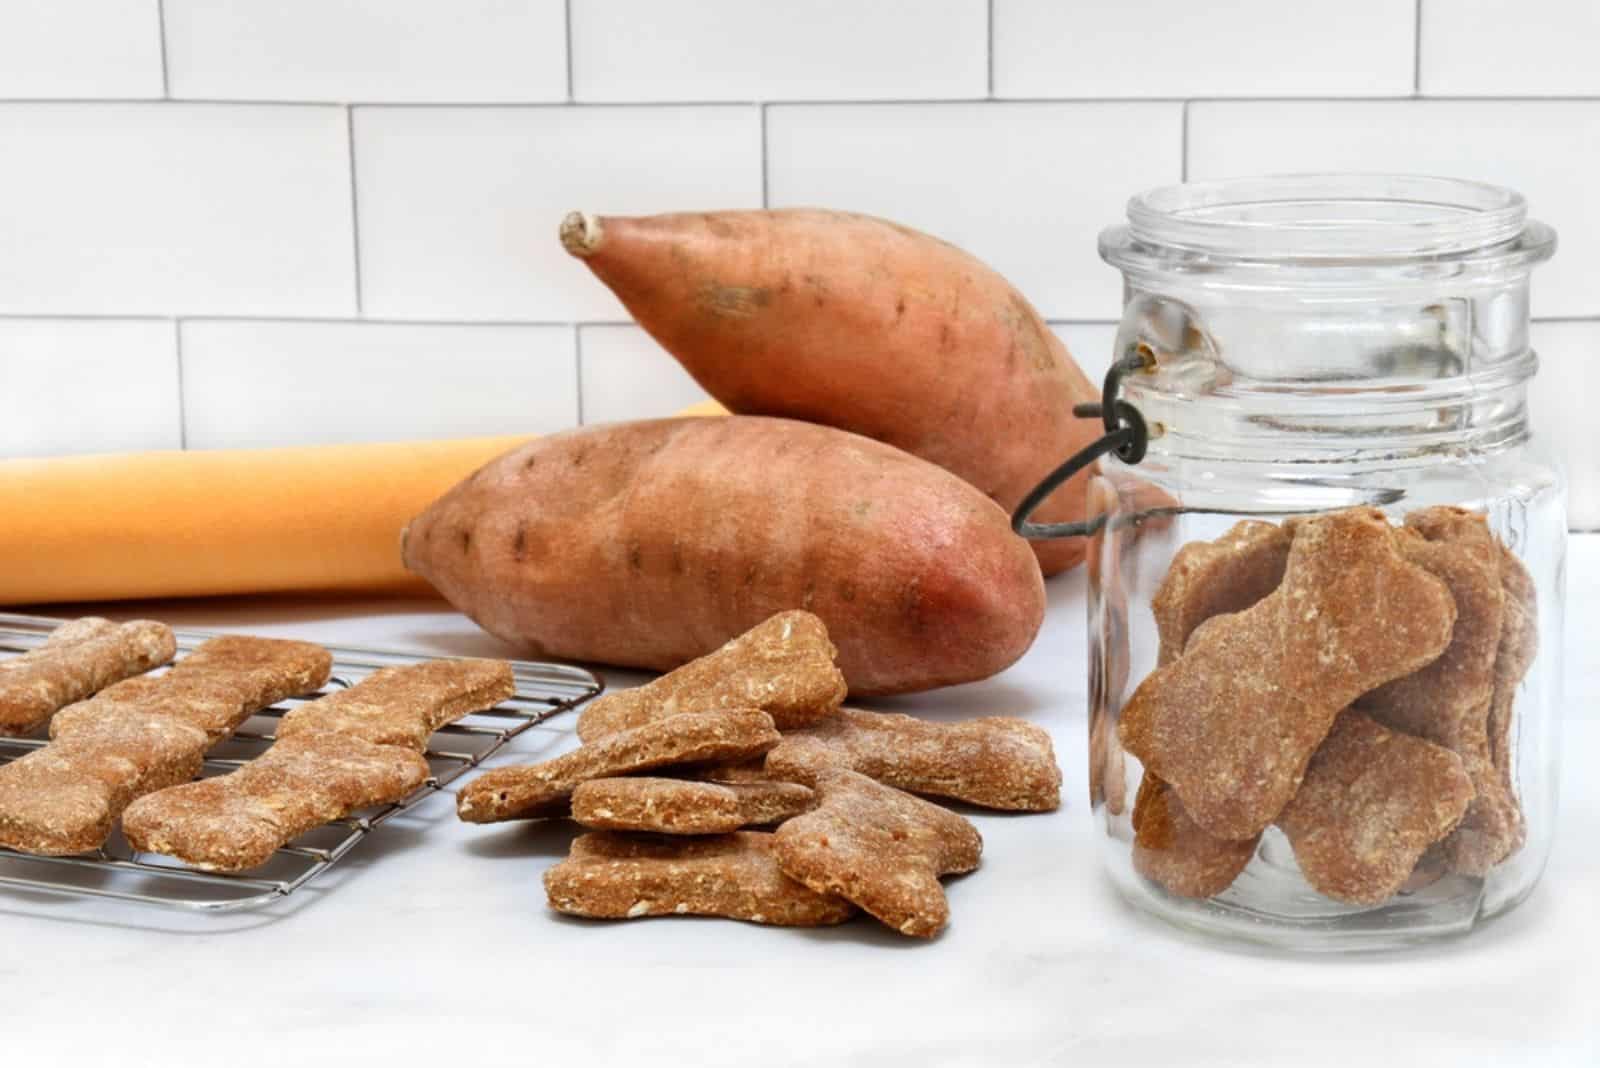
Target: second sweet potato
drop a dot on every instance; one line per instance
(858, 323)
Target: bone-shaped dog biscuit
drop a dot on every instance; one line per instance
(610, 876)
(1232, 722)
(347, 751)
(678, 806)
(1448, 701)
(783, 667)
(404, 705)
(1211, 578)
(237, 821)
(131, 740)
(79, 658)
(1371, 803)
(1171, 849)
(1207, 578)
(539, 790)
(997, 761)
(216, 688)
(880, 848)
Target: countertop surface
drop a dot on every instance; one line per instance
(432, 942)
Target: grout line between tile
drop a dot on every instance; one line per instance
(183, 403)
(567, 12)
(1183, 144)
(1080, 101)
(766, 184)
(577, 357)
(990, 50)
(161, 28)
(1416, 51)
(355, 214)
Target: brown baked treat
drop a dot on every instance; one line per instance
(783, 666)
(612, 877)
(1210, 578)
(1232, 722)
(1207, 578)
(237, 821)
(79, 658)
(1171, 849)
(65, 798)
(130, 740)
(404, 705)
(1447, 702)
(996, 761)
(1488, 836)
(1372, 802)
(677, 806)
(216, 688)
(880, 848)
(535, 791)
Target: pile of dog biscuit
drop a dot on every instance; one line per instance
(1347, 680)
(671, 776)
(125, 743)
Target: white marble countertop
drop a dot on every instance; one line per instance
(432, 942)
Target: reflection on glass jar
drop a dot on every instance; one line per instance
(1324, 682)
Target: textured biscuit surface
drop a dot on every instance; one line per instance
(1207, 578)
(678, 806)
(1372, 802)
(1479, 843)
(609, 876)
(1448, 701)
(1210, 578)
(237, 821)
(79, 658)
(783, 666)
(1232, 722)
(997, 761)
(538, 790)
(880, 848)
(65, 798)
(1171, 849)
(142, 735)
(404, 705)
(216, 688)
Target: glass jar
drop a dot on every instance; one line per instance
(1326, 606)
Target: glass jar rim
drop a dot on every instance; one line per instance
(1348, 217)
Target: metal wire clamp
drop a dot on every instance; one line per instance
(1127, 435)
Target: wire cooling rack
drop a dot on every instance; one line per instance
(118, 871)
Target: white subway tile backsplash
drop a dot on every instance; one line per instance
(633, 50)
(397, 50)
(80, 48)
(1510, 48)
(459, 208)
(118, 209)
(1561, 405)
(79, 386)
(1548, 150)
(256, 383)
(1138, 48)
(626, 375)
(1024, 186)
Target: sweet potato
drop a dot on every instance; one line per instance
(858, 323)
(649, 544)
